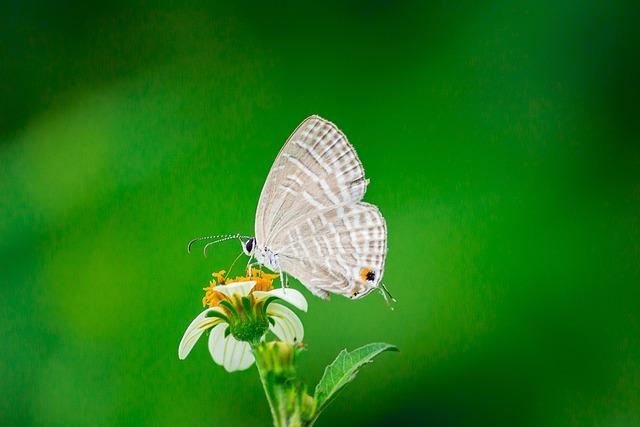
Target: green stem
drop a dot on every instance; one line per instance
(262, 372)
(283, 394)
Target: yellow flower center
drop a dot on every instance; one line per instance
(212, 298)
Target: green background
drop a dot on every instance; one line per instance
(502, 144)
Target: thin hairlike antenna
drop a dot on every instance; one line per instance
(198, 239)
(219, 236)
(222, 239)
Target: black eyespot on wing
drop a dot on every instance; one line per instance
(367, 274)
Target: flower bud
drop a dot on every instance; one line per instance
(308, 405)
(278, 357)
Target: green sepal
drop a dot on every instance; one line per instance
(226, 304)
(268, 301)
(214, 313)
(246, 303)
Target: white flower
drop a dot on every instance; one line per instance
(241, 317)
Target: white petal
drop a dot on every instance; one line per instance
(292, 296)
(242, 357)
(227, 351)
(195, 329)
(216, 343)
(288, 326)
(240, 288)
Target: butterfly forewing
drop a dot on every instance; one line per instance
(317, 168)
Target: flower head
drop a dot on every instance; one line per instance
(240, 313)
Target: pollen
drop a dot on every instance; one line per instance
(212, 298)
(367, 275)
(264, 281)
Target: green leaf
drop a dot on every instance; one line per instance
(343, 370)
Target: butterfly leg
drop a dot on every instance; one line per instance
(284, 279)
(250, 267)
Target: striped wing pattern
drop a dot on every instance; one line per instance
(329, 250)
(317, 168)
(310, 213)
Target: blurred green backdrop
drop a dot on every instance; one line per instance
(502, 144)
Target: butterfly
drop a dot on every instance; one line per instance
(311, 222)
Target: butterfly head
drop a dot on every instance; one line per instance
(248, 245)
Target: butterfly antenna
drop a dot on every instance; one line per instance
(198, 239)
(389, 299)
(220, 237)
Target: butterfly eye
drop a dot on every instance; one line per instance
(248, 247)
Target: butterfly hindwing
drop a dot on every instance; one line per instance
(339, 250)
